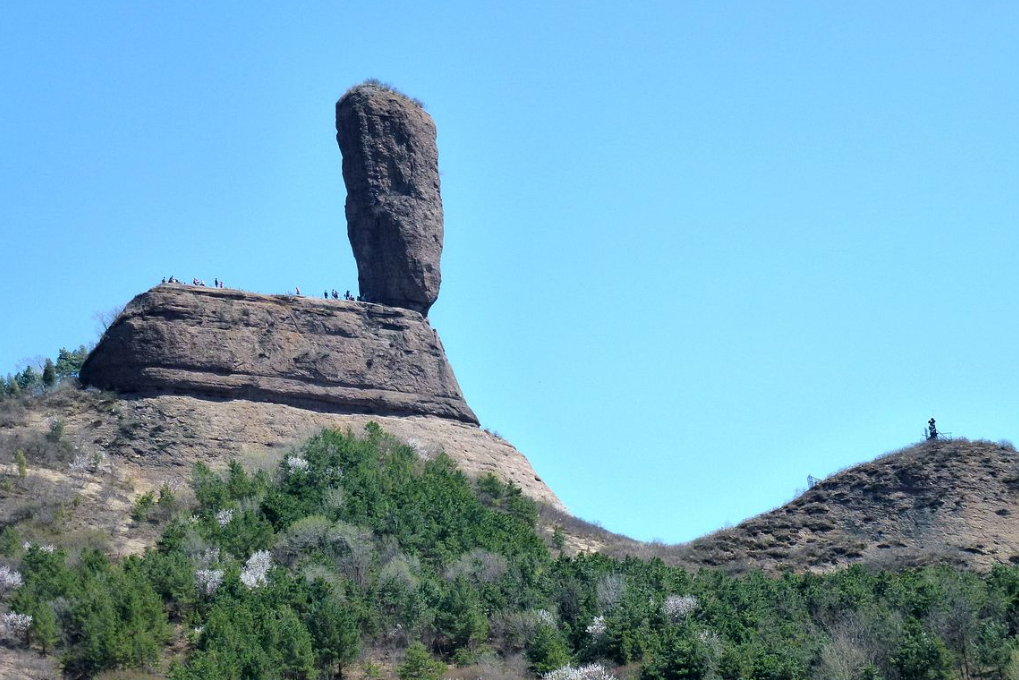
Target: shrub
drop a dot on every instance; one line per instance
(143, 506)
(418, 664)
(21, 462)
(56, 432)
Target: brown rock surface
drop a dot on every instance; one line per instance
(394, 210)
(329, 355)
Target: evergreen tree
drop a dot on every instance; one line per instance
(547, 650)
(69, 362)
(28, 378)
(12, 387)
(49, 374)
(45, 629)
(334, 633)
(418, 664)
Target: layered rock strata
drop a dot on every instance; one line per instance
(329, 355)
(393, 208)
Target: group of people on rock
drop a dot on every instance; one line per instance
(216, 283)
(346, 296)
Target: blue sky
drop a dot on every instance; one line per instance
(694, 251)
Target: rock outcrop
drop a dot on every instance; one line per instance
(329, 355)
(394, 210)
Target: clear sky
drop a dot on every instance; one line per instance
(694, 251)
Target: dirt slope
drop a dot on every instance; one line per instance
(155, 440)
(945, 501)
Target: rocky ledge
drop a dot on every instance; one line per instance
(329, 355)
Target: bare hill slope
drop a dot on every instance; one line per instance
(945, 501)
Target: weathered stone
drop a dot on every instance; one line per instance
(394, 210)
(329, 355)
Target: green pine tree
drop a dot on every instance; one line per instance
(49, 374)
(418, 664)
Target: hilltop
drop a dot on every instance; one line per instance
(939, 501)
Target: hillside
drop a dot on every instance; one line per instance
(352, 557)
(940, 501)
(146, 442)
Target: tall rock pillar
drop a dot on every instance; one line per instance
(394, 210)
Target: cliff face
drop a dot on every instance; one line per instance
(329, 355)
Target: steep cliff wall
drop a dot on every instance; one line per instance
(330, 355)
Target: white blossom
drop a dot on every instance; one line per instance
(208, 580)
(256, 569)
(9, 580)
(593, 671)
(678, 607)
(96, 462)
(27, 545)
(546, 617)
(48, 548)
(224, 517)
(597, 627)
(297, 464)
(15, 626)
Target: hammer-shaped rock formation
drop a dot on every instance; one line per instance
(329, 355)
(394, 210)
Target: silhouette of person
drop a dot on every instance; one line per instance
(932, 430)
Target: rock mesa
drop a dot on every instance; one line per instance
(328, 355)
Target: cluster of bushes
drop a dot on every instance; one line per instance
(33, 379)
(354, 543)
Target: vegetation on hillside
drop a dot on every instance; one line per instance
(354, 550)
(33, 379)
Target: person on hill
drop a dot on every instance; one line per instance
(298, 289)
(932, 430)
(215, 283)
(164, 280)
(325, 294)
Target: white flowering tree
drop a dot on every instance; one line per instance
(296, 464)
(224, 517)
(256, 570)
(10, 580)
(15, 627)
(678, 607)
(592, 671)
(208, 580)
